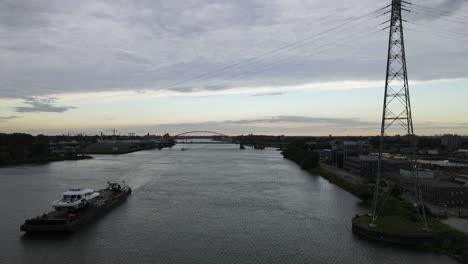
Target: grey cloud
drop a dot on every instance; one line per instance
(439, 126)
(451, 6)
(182, 89)
(215, 87)
(6, 118)
(435, 9)
(23, 14)
(268, 94)
(29, 48)
(64, 46)
(188, 18)
(187, 89)
(127, 56)
(42, 105)
(275, 122)
(303, 120)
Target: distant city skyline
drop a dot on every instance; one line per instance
(140, 67)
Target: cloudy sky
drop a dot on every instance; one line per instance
(290, 67)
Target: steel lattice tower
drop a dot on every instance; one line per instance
(397, 105)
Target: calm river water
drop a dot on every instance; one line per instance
(208, 204)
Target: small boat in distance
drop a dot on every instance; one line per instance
(78, 207)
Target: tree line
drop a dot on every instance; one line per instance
(20, 146)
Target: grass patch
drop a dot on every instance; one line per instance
(398, 216)
(448, 241)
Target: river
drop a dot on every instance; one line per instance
(208, 204)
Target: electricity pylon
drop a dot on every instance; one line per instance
(397, 105)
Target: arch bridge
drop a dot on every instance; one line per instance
(231, 140)
(222, 138)
(201, 131)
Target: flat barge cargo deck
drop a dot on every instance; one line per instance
(74, 211)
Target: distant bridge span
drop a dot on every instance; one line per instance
(198, 131)
(233, 140)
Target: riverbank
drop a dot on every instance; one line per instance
(116, 151)
(445, 239)
(124, 147)
(46, 159)
(360, 190)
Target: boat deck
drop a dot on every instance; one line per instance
(70, 220)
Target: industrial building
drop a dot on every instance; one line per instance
(367, 166)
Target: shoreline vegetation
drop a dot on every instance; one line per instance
(397, 217)
(19, 148)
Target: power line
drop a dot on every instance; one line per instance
(438, 16)
(292, 46)
(435, 34)
(302, 45)
(323, 20)
(441, 29)
(275, 50)
(329, 46)
(445, 12)
(287, 60)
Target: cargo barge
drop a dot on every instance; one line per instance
(76, 208)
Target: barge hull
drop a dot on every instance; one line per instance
(59, 222)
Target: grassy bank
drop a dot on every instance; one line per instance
(448, 241)
(362, 191)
